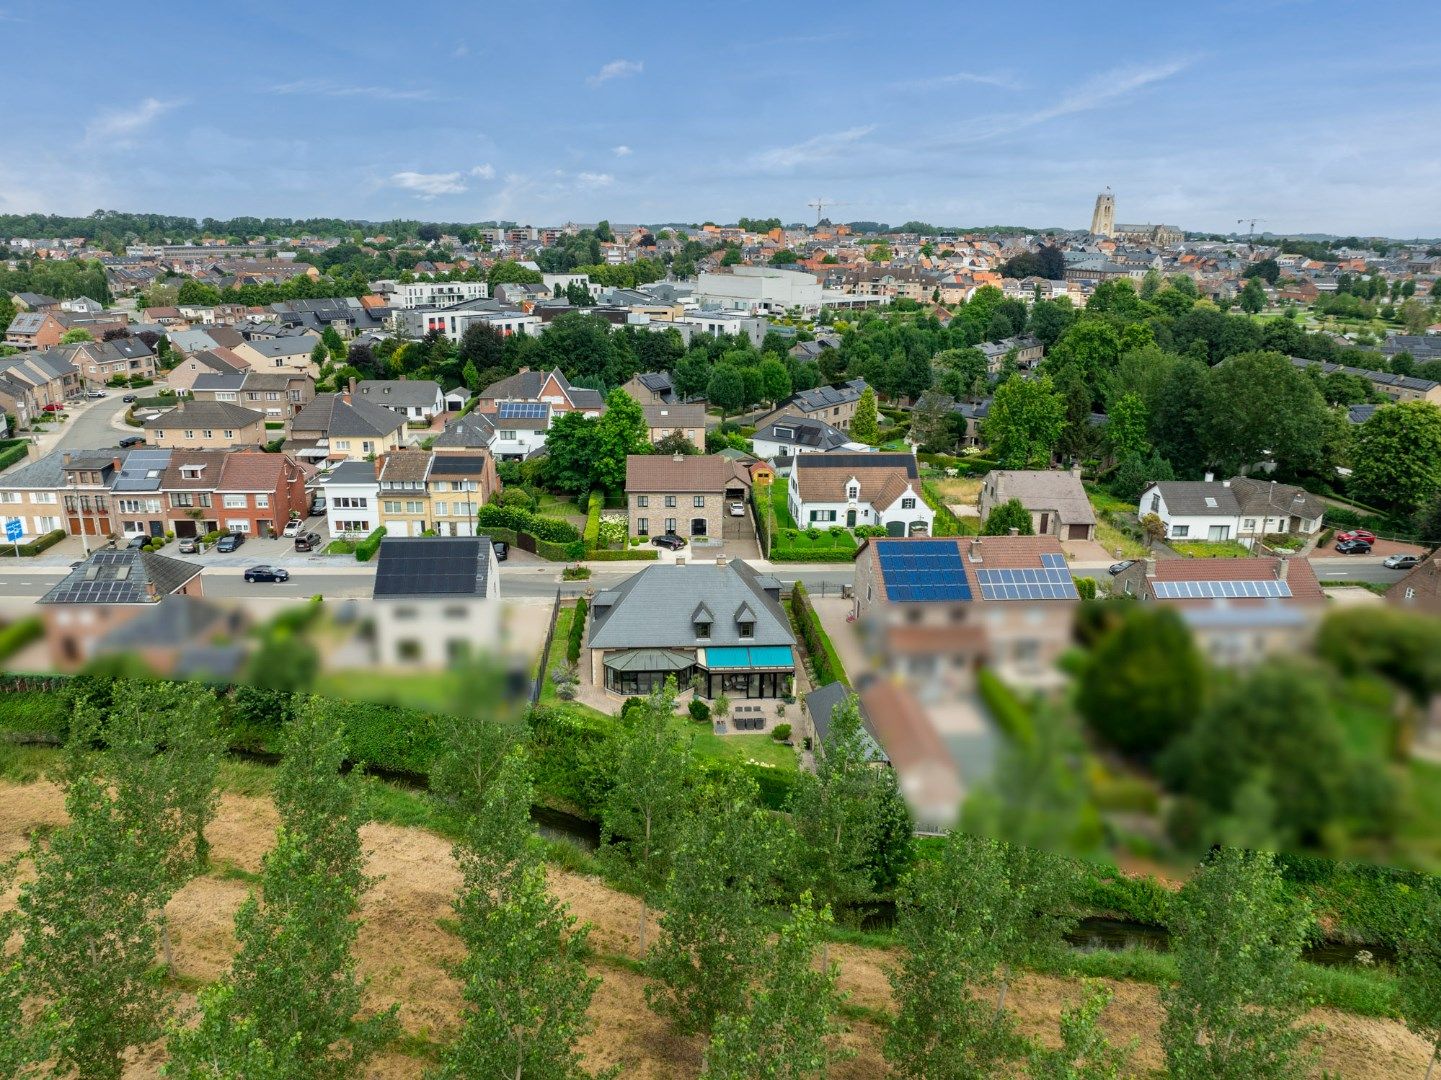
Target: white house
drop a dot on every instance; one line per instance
(435, 294)
(565, 281)
(859, 489)
(434, 601)
(352, 499)
(520, 428)
(792, 434)
(1237, 509)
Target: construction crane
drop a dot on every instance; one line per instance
(819, 206)
(1251, 232)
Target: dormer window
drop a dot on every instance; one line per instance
(747, 629)
(853, 491)
(701, 618)
(702, 629)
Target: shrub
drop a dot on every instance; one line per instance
(36, 546)
(516, 497)
(542, 528)
(19, 634)
(577, 631)
(11, 451)
(575, 573)
(594, 505)
(366, 549)
(632, 555)
(781, 733)
(1086, 588)
(699, 711)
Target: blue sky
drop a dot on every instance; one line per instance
(1311, 115)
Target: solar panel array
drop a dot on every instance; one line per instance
(1050, 582)
(917, 571)
(1213, 590)
(433, 566)
(522, 410)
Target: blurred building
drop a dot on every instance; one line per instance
(435, 601)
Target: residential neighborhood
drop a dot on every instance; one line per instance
(658, 576)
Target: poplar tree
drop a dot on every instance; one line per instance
(651, 773)
(288, 1009)
(1418, 969)
(967, 920)
(525, 983)
(715, 924)
(783, 1033)
(1236, 935)
(1085, 1053)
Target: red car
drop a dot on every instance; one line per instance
(54, 408)
(1357, 534)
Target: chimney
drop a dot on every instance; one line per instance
(350, 394)
(65, 457)
(1225, 483)
(975, 549)
(1076, 469)
(1151, 567)
(1283, 568)
(721, 560)
(1210, 477)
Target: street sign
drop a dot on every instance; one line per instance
(13, 529)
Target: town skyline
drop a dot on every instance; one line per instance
(589, 115)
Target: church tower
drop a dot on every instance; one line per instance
(1103, 217)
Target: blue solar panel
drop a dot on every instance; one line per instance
(1204, 590)
(522, 410)
(1052, 583)
(1054, 561)
(923, 571)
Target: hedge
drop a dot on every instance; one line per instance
(366, 549)
(1007, 710)
(557, 552)
(35, 547)
(19, 634)
(811, 555)
(542, 528)
(595, 505)
(824, 661)
(628, 555)
(577, 631)
(11, 451)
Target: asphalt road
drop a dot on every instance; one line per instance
(89, 428)
(1356, 568)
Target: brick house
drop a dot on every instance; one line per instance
(258, 492)
(34, 330)
(681, 495)
(206, 425)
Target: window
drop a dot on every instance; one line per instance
(670, 525)
(507, 434)
(908, 504)
(235, 502)
(342, 444)
(209, 433)
(642, 501)
(262, 502)
(229, 433)
(414, 506)
(391, 506)
(823, 515)
(747, 629)
(1410, 592)
(669, 501)
(456, 612)
(642, 526)
(367, 447)
(702, 629)
(1156, 503)
(352, 526)
(129, 506)
(1250, 525)
(204, 498)
(1180, 531)
(189, 433)
(238, 525)
(853, 491)
(440, 510)
(351, 502)
(699, 502)
(182, 499)
(47, 497)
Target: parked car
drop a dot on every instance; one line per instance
(1356, 534)
(190, 545)
(130, 398)
(131, 440)
(669, 540)
(267, 573)
(138, 541)
(95, 393)
(1122, 566)
(502, 550)
(307, 541)
(1353, 547)
(229, 542)
(52, 407)
(317, 505)
(738, 509)
(1400, 562)
(293, 527)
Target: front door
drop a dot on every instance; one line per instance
(697, 526)
(1045, 523)
(850, 519)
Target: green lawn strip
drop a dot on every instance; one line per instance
(1210, 549)
(555, 658)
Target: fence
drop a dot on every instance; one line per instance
(545, 651)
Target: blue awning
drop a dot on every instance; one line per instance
(747, 658)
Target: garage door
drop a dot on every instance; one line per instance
(1078, 532)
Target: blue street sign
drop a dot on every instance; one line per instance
(13, 529)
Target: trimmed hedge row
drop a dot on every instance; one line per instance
(36, 546)
(366, 549)
(824, 661)
(1009, 713)
(626, 555)
(595, 505)
(542, 528)
(577, 630)
(19, 634)
(779, 553)
(11, 451)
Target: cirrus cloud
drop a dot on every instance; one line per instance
(616, 69)
(120, 123)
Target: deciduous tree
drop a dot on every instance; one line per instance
(1025, 422)
(1396, 455)
(1011, 514)
(1236, 935)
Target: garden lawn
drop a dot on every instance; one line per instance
(555, 659)
(430, 691)
(826, 543)
(958, 490)
(1210, 549)
(739, 748)
(1113, 539)
(783, 511)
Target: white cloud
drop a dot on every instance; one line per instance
(593, 179)
(119, 123)
(956, 78)
(461, 51)
(622, 151)
(429, 185)
(327, 88)
(483, 172)
(816, 148)
(616, 69)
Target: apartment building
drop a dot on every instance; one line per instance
(214, 425)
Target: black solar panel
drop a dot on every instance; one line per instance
(431, 566)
